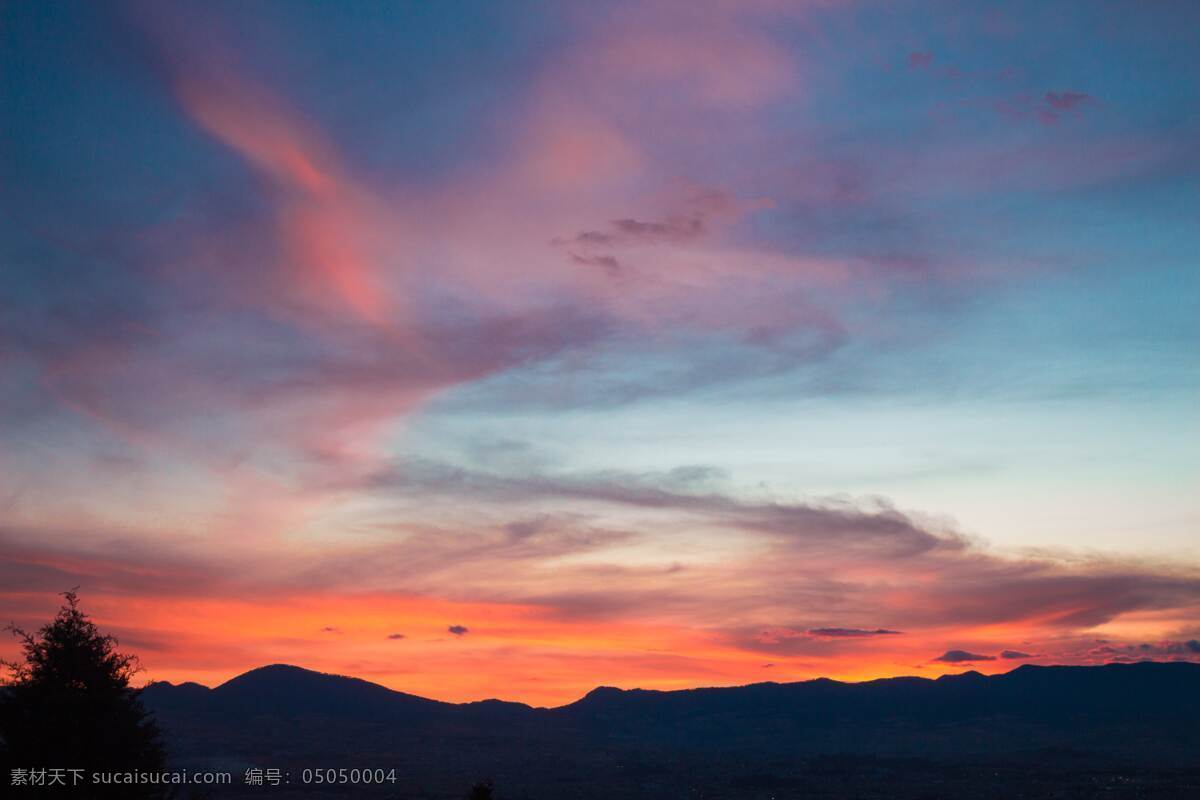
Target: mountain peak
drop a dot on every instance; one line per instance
(272, 672)
(288, 689)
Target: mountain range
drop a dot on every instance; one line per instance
(1034, 725)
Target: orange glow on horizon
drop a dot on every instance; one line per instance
(510, 652)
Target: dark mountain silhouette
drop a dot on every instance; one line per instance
(285, 690)
(1047, 727)
(1033, 692)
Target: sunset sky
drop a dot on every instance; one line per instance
(510, 349)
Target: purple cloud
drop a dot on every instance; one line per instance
(608, 263)
(962, 657)
(919, 60)
(850, 633)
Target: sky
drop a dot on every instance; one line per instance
(511, 349)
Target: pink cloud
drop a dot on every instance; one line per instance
(919, 60)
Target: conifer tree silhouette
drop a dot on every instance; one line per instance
(67, 705)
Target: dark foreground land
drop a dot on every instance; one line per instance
(1117, 731)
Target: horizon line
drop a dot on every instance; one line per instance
(600, 687)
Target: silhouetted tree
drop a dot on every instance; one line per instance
(481, 791)
(67, 704)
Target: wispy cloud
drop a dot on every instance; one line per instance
(246, 330)
(962, 657)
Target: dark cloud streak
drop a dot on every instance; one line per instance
(961, 657)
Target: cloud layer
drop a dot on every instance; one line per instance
(646, 345)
